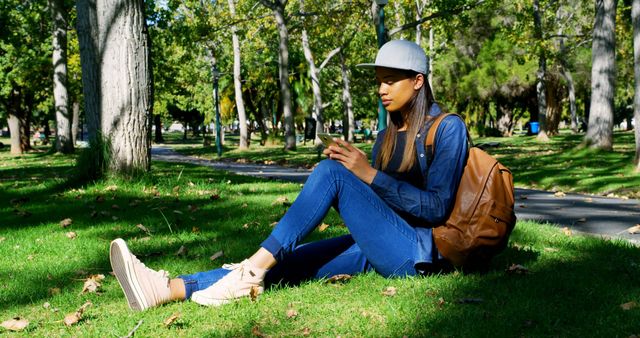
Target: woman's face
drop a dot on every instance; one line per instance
(396, 88)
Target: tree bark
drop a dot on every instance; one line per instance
(64, 138)
(75, 121)
(348, 126)
(157, 121)
(600, 130)
(278, 9)
(14, 129)
(127, 82)
(540, 75)
(315, 85)
(635, 18)
(237, 82)
(90, 56)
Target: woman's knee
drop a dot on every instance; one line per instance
(331, 168)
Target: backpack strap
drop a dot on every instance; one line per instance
(431, 135)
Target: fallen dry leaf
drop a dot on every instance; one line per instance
(216, 255)
(282, 200)
(15, 324)
(195, 230)
(629, 305)
(292, 313)
(115, 207)
(193, 208)
(567, 231)
(99, 198)
(92, 284)
(143, 228)
(54, 291)
(73, 318)
(524, 197)
(559, 194)
(176, 189)
(134, 203)
(111, 188)
(46, 305)
(323, 227)
(182, 251)
(214, 197)
(517, 269)
(306, 331)
(341, 278)
(171, 319)
(66, 222)
(581, 220)
(256, 332)
(389, 291)
(551, 249)
(633, 230)
(253, 293)
(71, 235)
(441, 302)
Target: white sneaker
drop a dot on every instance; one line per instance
(236, 284)
(143, 287)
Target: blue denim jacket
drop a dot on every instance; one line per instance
(434, 201)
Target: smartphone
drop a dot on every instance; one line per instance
(326, 139)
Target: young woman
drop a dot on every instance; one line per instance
(389, 206)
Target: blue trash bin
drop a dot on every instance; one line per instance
(535, 127)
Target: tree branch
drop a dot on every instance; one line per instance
(434, 16)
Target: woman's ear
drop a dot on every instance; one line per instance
(419, 82)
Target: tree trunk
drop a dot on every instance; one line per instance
(237, 82)
(127, 82)
(64, 139)
(75, 121)
(540, 75)
(315, 85)
(635, 17)
(285, 87)
(566, 73)
(14, 129)
(603, 73)
(90, 57)
(554, 108)
(157, 121)
(348, 126)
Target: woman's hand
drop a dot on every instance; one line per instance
(352, 158)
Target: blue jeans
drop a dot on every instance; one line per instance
(379, 239)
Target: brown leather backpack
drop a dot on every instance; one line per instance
(482, 218)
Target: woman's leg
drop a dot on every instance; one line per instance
(320, 259)
(386, 240)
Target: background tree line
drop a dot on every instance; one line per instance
(122, 65)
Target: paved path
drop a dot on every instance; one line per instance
(597, 215)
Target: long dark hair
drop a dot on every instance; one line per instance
(415, 117)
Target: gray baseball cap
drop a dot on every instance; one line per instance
(400, 54)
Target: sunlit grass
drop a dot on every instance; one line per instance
(559, 165)
(574, 285)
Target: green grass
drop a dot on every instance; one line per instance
(575, 286)
(559, 165)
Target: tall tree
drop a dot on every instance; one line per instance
(64, 138)
(278, 9)
(635, 18)
(603, 74)
(541, 88)
(115, 57)
(237, 81)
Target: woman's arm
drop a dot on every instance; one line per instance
(434, 202)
